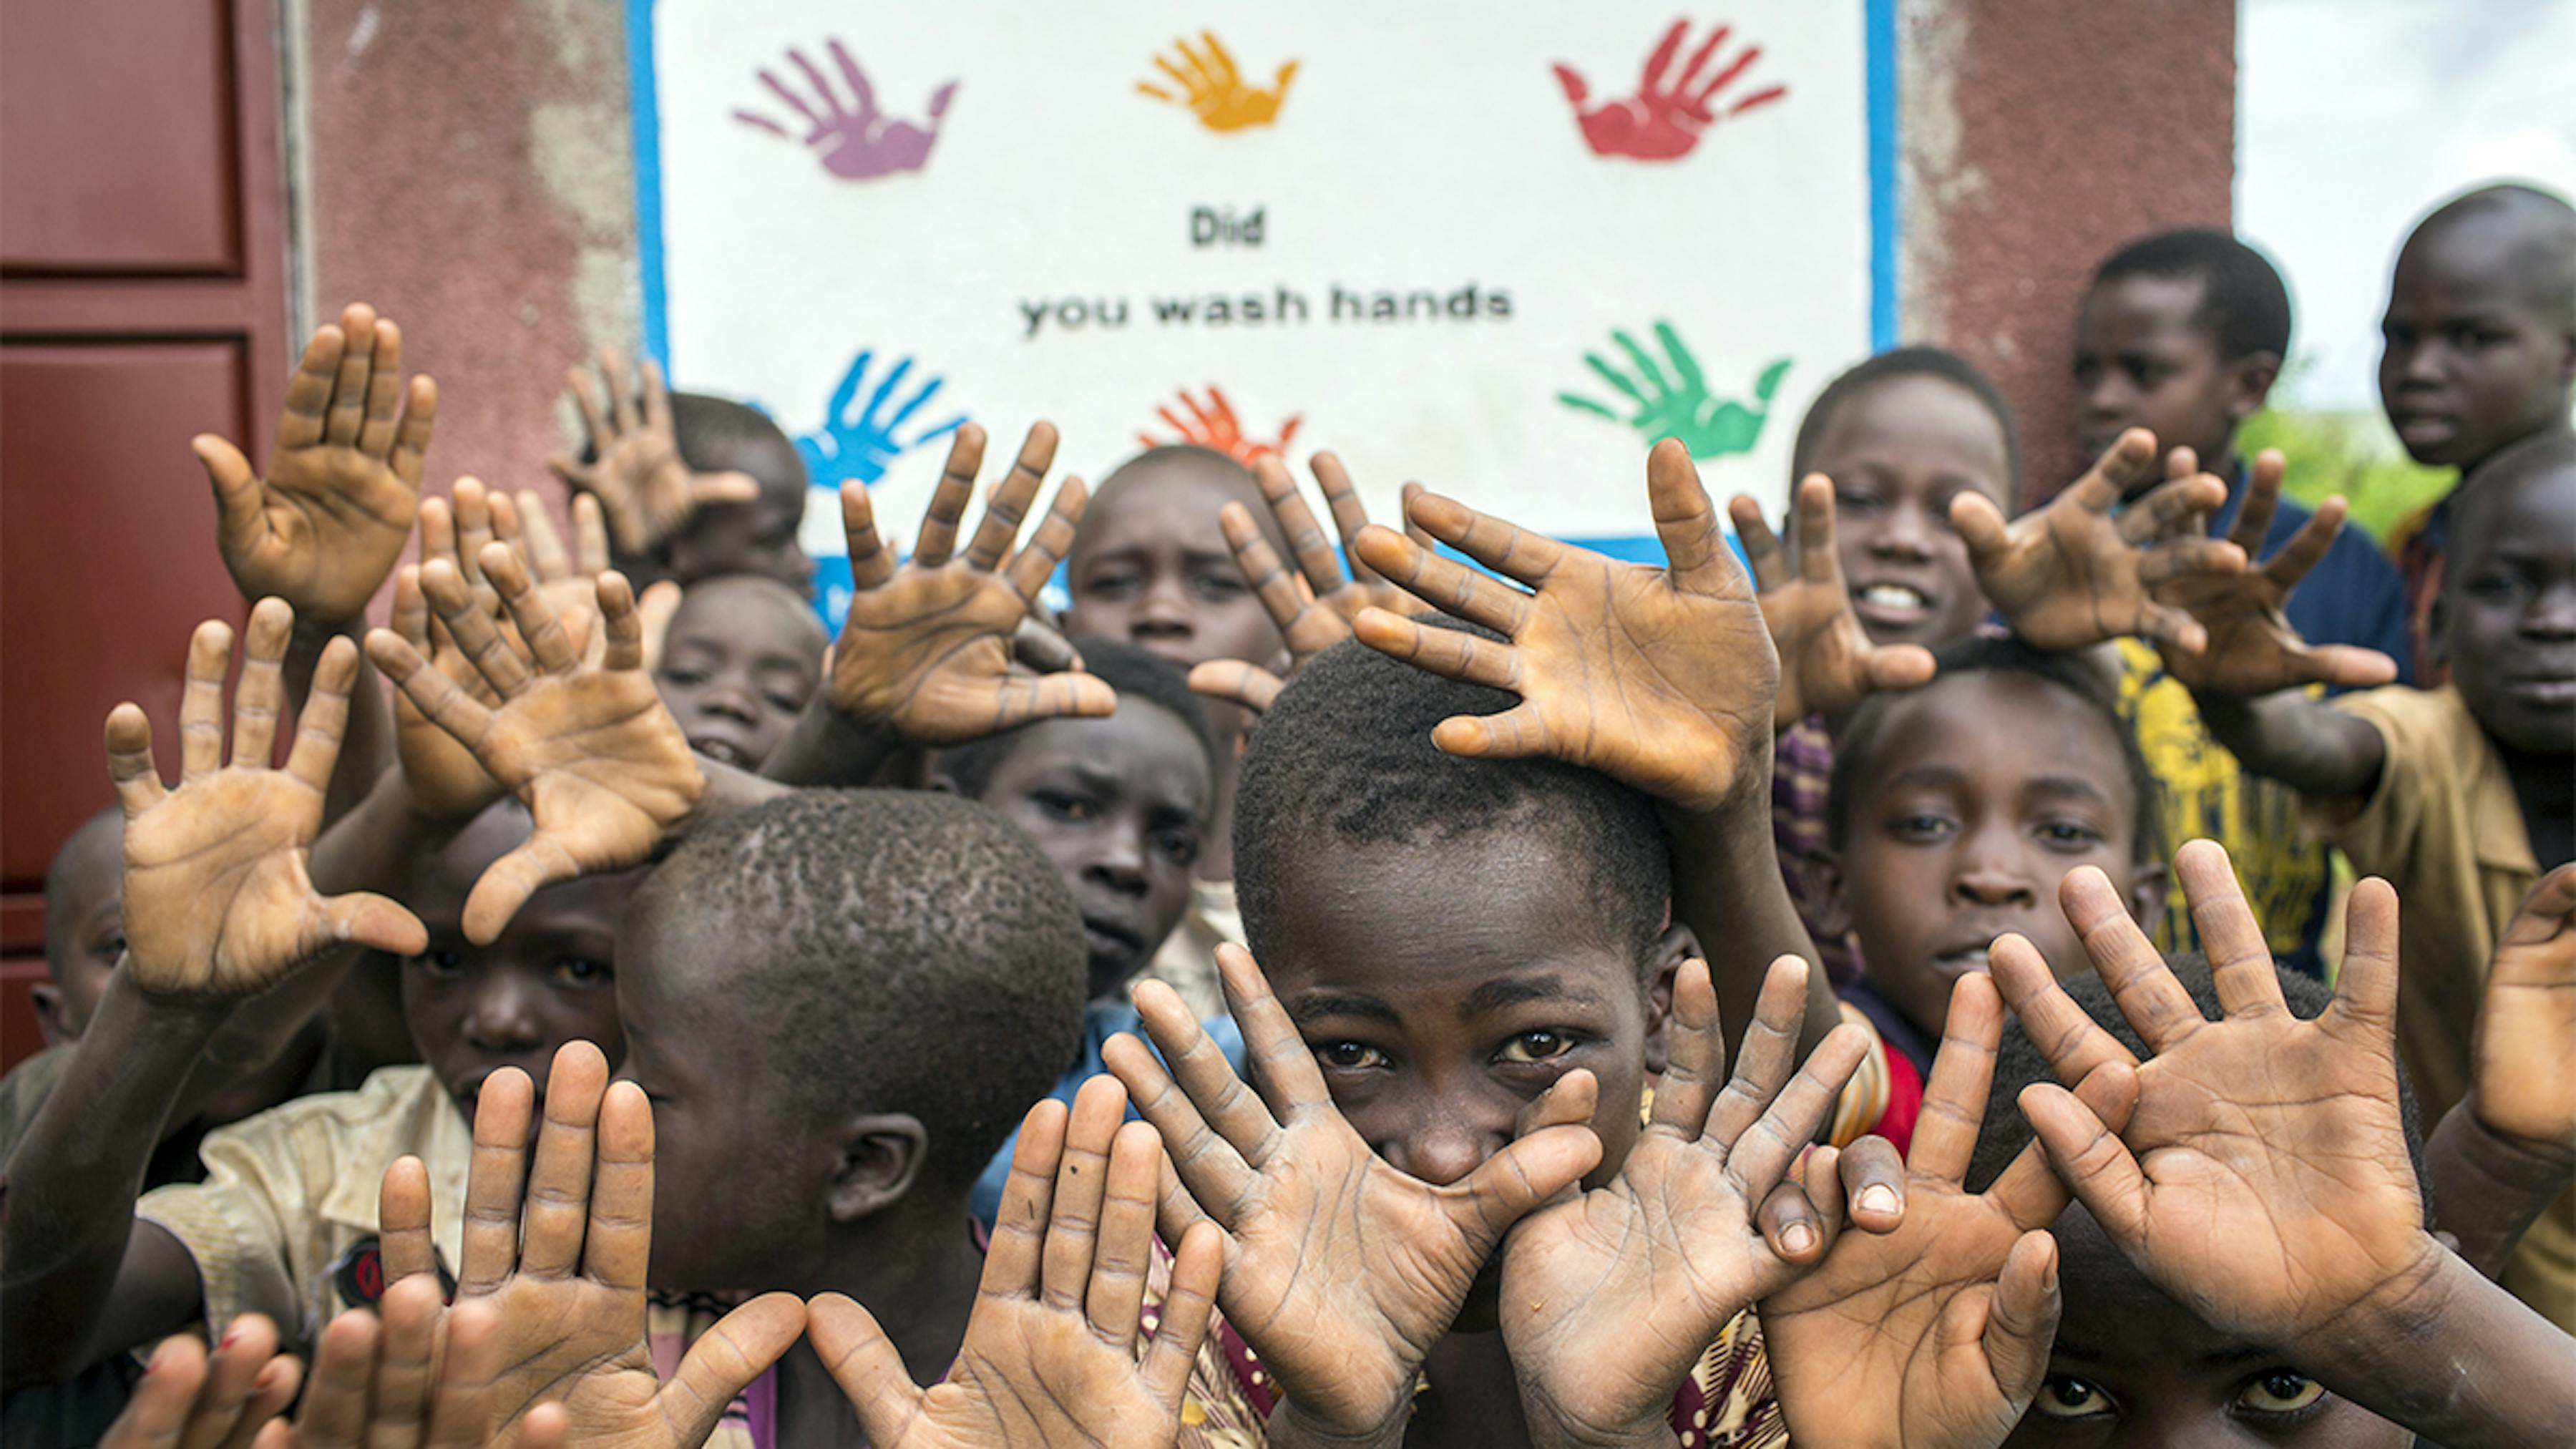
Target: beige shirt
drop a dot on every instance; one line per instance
(2443, 827)
(1187, 959)
(289, 1193)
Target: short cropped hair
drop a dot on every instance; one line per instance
(2242, 300)
(1866, 732)
(2543, 257)
(890, 951)
(1139, 676)
(1344, 756)
(1224, 468)
(1890, 366)
(2019, 1062)
(58, 921)
(716, 434)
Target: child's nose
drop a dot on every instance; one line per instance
(1119, 861)
(1904, 535)
(1443, 1147)
(731, 702)
(504, 1019)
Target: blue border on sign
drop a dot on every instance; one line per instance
(644, 113)
(1878, 44)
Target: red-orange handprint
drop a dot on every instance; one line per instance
(1662, 122)
(1215, 426)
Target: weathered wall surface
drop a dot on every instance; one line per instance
(2035, 136)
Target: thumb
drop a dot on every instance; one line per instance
(863, 1361)
(730, 486)
(1898, 666)
(2350, 666)
(726, 1358)
(2021, 1322)
(1236, 682)
(2172, 628)
(2093, 1162)
(509, 881)
(366, 919)
(654, 609)
(1514, 734)
(1530, 1171)
(1981, 527)
(236, 487)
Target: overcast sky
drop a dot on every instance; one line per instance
(2355, 116)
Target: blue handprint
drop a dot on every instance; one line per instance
(860, 445)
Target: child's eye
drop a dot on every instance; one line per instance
(1180, 845)
(440, 962)
(2069, 834)
(2280, 1391)
(683, 677)
(1922, 826)
(1537, 1046)
(785, 703)
(2493, 586)
(2066, 1397)
(1854, 502)
(1108, 585)
(576, 971)
(1223, 586)
(1064, 807)
(1349, 1056)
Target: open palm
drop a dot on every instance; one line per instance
(1827, 663)
(2251, 648)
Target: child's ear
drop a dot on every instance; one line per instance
(48, 999)
(1676, 945)
(881, 1158)
(2249, 382)
(2149, 886)
(1833, 903)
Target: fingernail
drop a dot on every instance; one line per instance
(1877, 1198)
(1798, 1238)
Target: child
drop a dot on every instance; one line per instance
(693, 486)
(1955, 810)
(1119, 807)
(743, 655)
(2460, 795)
(2480, 353)
(84, 927)
(2183, 333)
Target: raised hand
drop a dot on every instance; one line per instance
(1341, 1271)
(2522, 1082)
(2250, 648)
(1610, 1297)
(1680, 406)
(1217, 92)
(586, 744)
(1827, 663)
(1935, 1334)
(647, 491)
(408, 1374)
(1050, 1356)
(856, 141)
(2080, 570)
(556, 1241)
(856, 446)
(2262, 1181)
(927, 646)
(1662, 678)
(1214, 425)
(326, 523)
(217, 898)
(1664, 119)
(187, 1399)
(1315, 616)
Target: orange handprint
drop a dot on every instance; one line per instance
(1215, 90)
(1663, 122)
(1215, 426)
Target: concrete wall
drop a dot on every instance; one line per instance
(465, 167)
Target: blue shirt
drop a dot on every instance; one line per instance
(1101, 1020)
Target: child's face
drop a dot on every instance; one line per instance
(2133, 1367)
(2509, 613)
(1898, 452)
(2143, 359)
(737, 667)
(83, 946)
(1444, 983)
(1987, 788)
(1119, 806)
(1152, 567)
(2471, 360)
(548, 980)
(758, 537)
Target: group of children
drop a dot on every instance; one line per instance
(1426, 985)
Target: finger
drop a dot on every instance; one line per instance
(2091, 1159)
(493, 1180)
(1762, 550)
(1037, 559)
(865, 1363)
(363, 918)
(1236, 682)
(473, 529)
(402, 1215)
(1242, 1117)
(1873, 1179)
(461, 1396)
(2170, 628)
(1008, 507)
(2169, 510)
(1015, 1257)
(1789, 1224)
(308, 392)
(621, 622)
(617, 1240)
(1124, 1253)
(1762, 1155)
(261, 691)
(437, 523)
(1981, 526)
(1053, 696)
(2347, 666)
(1696, 1069)
(1695, 546)
(430, 690)
(272, 1390)
(2028, 1190)
(1450, 587)
(590, 535)
(730, 485)
(1516, 733)
(1291, 609)
(2069, 1040)
(2308, 546)
(1820, 1174)
(240, 522)
(2240, 959)
(1818, 563)
(2262, 499)
(1449, 653)
(129, 760)
(558, 1193)
(1506, 548)
(1342, 499)
(470, 623)
(871, 565)
(948, 502)
(653, 614)
(1207, 1175)
(2145, 988)
(411, 609)
(547, 557)
(622, 401)
(201, 701)
(2021, 1319)
(384, 392)
(579, 386)
(407, 1362)
(2127, 466)
(2549, 910)
(325, 718)
(1038, 645)
(1306, 541)
(164, 1396)
(411, 440)
(2188, 558)
(232, 1378)
(2365, 1000)
(334, 1415)
(348, 410)
(1898, 666)
(727, 1358)
(1768, 1053)
(509, 881)
(1963, 1070)
(539, 629)
(1410, 494)
(1528, 1171)
(1569, 1101)
(1081, 1185)
(1189, 1305)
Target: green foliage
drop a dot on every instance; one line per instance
(2351, 453)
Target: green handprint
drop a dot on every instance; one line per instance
(1679, 405)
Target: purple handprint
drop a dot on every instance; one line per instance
(857, 142)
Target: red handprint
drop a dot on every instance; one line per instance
(1215, 426)
(855, 141)
(1663, 122)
